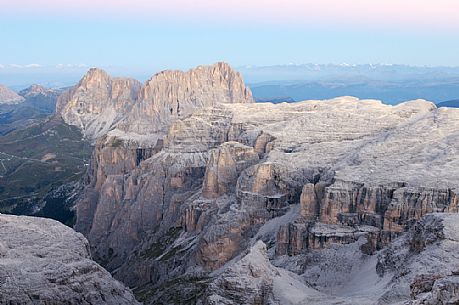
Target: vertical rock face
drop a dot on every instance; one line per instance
(98, 102)
(118, 179)
(292, 239)
(412, 203)
(220, 173)
(378, 212)
(263, 144)
(249, 281)
(224, 167)
(45, 262)
(206, 129)
(421, 264)
(311, 199)
(171, 95)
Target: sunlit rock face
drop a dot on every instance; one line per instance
(187, 182)
(44, 262)
(171, 95)
(100, 103)
(8, 96)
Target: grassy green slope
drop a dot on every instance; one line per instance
(37, 159)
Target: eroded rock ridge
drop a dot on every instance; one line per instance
(196, 184)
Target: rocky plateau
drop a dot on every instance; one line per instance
(197, 195)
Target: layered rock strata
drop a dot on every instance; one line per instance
(100, 103)
(178, 200)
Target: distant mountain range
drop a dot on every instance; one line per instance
(390, 83)
(19, 110)
(390, 92)
(452, 104)
(321, 72)
(41, 158)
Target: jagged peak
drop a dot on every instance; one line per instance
(221, 67)
(96, 71)
(33, 90)
(219, 74)
(95, 76)
(98, 75)
(100, 102)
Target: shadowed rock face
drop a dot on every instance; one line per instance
(170, 202)
(45, 262)
(421, 275)
(420, 264)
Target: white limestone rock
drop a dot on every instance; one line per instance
(44, 262)
(100, 104)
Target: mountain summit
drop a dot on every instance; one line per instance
(100, 103)
(8, 96)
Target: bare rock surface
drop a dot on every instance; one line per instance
(100, 103)
(424, 262)
(8, 96)
(171, 95)
(342, 275)
(183, 186)
(34, 90)
(45, 262)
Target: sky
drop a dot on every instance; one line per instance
(139, 37)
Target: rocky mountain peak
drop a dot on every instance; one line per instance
(216, 76)
(170, 95)
(95, 77)
(35, 90)
(100, 103)
(8, 96)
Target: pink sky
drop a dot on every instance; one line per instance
(411, 13)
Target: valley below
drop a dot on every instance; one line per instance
(188, 192)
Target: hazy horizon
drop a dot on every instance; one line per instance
(153, 36)
(20, 76)
(54, 43)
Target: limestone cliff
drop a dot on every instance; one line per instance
(188, 174)
(171, 95)
(100, 103)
